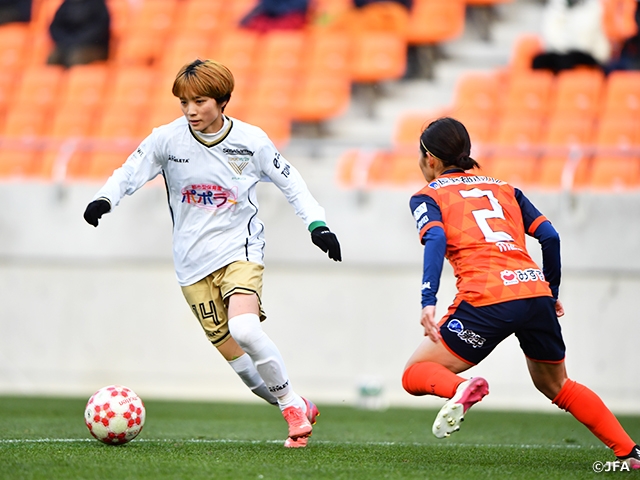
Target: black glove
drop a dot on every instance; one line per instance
(95, 210)
(327, 242)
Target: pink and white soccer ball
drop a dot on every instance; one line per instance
(114, 415)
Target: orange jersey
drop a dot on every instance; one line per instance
(484, 225)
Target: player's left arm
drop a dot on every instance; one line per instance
(286, 177)
(539, 227)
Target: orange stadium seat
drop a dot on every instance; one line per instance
(345, 176)
(327, 51)
(529, 93)
(7, 84)
(617, 132)
(132, 88)
(408, 129)
(277, 127)
(517, 169)
(435, 21)
(102, 164)
(116, 122)
(579, 91)
(237, 50)
(40, 87)
(321, 96)
(280, 52)
(19, 159)
(614, 173)
(20, 123)
(405, 171)
(38, 48)
(273, 92)
(71, 122)
(477, 93)
(120, 12)
(236, 10)
(622, 93)
(154, 18)
(525, 48)
(517, 135)
(201, 17)
(618, 19)
(566, 137)
(378, 56)
(183, 49)
(14, 40)
(43, 13)
(138, 48)
(85, 85)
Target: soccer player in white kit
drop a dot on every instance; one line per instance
(211, 165)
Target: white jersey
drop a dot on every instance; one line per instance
(212, 191)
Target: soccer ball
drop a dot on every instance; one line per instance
(114, 415)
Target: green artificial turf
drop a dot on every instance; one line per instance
(45, 438)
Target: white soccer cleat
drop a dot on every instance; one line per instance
(452, 413)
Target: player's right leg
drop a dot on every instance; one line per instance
(586, 406)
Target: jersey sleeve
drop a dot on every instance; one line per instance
(539, 227)
(286, 177)
(426, 213)
(142, 166)
(428, 218)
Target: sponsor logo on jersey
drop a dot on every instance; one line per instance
(468, 336)
(276, 160)
(507, 246)
(511, 277)
(173, 158)
(286, 171)
(470, 180)
(419, 211)
(210, 197)
(237, 151)
(238, 164)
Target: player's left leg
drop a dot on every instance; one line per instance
(586, 406)
(245, 328)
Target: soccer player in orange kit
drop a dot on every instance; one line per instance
(479, 224)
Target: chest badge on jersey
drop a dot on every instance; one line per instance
(210, 197)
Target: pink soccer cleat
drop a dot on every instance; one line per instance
(633, 459)
(452, 413)
(299, 425)
(312, 413)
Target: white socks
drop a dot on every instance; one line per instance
(247, 331)
(246, 370)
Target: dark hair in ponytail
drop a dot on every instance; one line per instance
(448, 139)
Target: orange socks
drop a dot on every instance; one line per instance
(590, 410)
(429, 378)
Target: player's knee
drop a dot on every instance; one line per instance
(246, 330)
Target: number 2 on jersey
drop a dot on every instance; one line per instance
(483, 214)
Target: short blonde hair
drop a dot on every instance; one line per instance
(205, 78)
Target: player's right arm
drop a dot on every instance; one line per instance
(142, 166)
(428, 217)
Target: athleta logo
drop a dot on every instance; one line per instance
(173, 158)
(277, 388)
(237, 151)
(468, 336)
